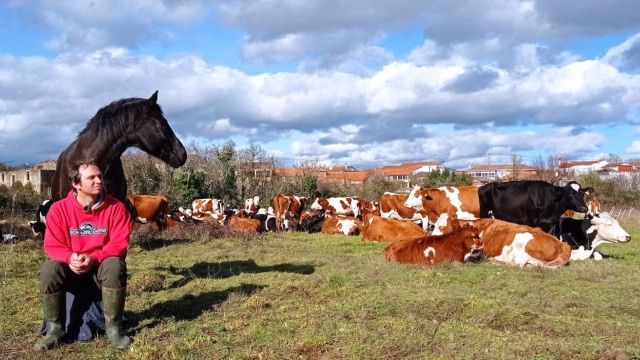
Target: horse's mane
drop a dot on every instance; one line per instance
(111, 122)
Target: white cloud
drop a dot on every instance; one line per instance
(634, 149)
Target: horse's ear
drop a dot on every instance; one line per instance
(154, 97)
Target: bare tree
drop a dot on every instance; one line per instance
(516, 167)
(613, 158)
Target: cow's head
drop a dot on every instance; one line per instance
(609, 229)
(37, 227)
(573, 197)
(417, 197)
(317, 205)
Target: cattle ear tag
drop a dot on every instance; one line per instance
(587, 192)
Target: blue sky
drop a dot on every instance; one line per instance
(362, 82)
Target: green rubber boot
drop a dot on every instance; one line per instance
(113, 302)
(54, 311)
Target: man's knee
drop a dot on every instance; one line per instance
(52, 276)
(112, 273)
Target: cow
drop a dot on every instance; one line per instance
(288, 210)
(267, 221)
(150, 208)
(349, 206)
(243, 225)
(210, 206)
(312, 223)
(462, 244)
(584, 235)
(532, 203)
(593, 209)
(377, 228)
(39, 225)
(370, 207)
(520, 245)
(345, 225)
(253, 204)
(445, 204)
(392, 207)
(6, 238)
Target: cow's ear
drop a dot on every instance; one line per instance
(589, 190)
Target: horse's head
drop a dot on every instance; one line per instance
(155, 136)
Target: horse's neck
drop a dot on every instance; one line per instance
(104, 152)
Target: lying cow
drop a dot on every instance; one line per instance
(208, 206)
(312, 223)
(377, 228)
(345, 225)
(593, 209)
(349, 206)
(520, 245)
(584, 235)
(392, 207)
(370, 207)
(462, 244)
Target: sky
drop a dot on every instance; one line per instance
(359, 82)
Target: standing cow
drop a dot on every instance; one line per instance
(445, 204)
(288, 210)
(531, 203)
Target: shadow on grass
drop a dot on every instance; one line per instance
(188, 307)
(150, 244)
(227, 269)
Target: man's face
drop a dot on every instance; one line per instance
(90, 180)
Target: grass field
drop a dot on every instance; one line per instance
(301, 296)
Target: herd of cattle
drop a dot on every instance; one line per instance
(524, 223)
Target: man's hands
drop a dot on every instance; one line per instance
(81, 263)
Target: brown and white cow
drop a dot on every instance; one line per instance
(520, 245)
(593, 209)
(377, 228)
(461, 244)
(348, 206)
(208, 206)
(370, 207)
(149, 208)
(392, 207)
(444, 204)
(253, 204)
(345, 225)
(287, 211)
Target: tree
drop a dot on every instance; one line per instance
(516, 166)
(226, 156)
(613, 158)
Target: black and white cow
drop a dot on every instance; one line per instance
(531, 203)
(584, 235)
(39, 225)
(267, 221)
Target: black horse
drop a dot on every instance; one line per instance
(122, 124)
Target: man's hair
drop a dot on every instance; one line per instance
(74, 172)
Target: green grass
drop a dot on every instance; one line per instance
(301, 296)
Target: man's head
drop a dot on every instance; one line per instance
(86, 178)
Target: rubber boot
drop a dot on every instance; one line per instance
(113, 303)
(55, 312)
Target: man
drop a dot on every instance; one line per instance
(87, 238)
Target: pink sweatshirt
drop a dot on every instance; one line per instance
(100, 232)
